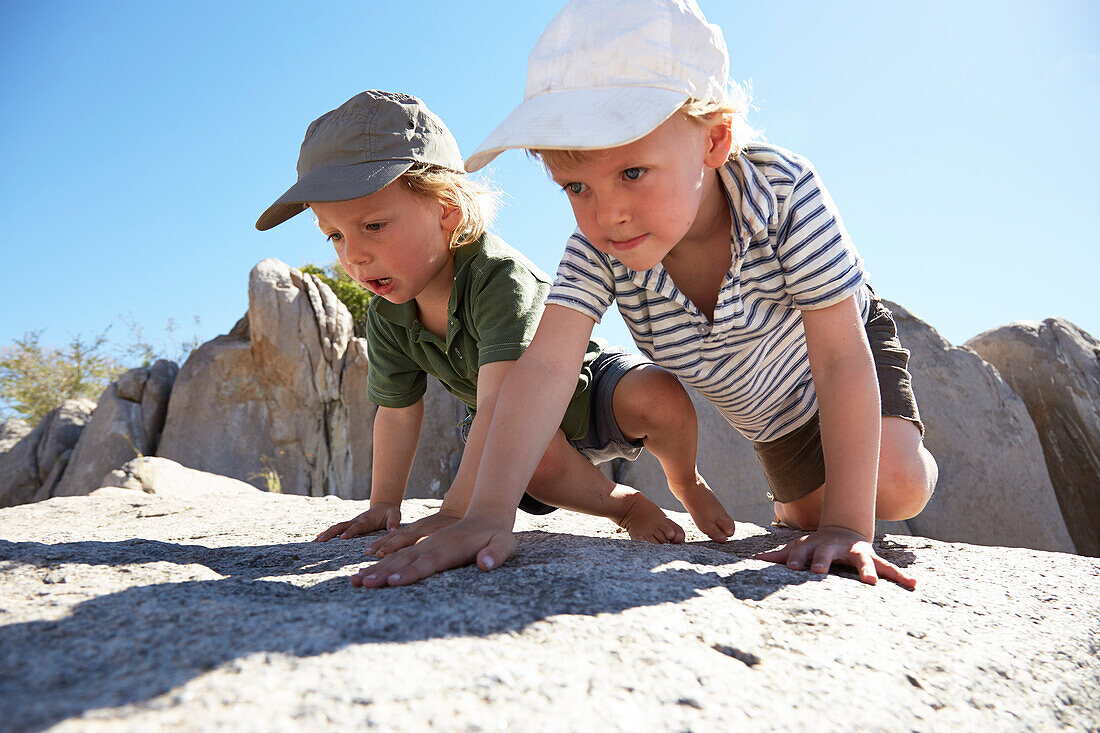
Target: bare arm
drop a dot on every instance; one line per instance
(396, 432)
(457, 499)
(851, 426)
(531, 404)
(527, 411)
(849, 407)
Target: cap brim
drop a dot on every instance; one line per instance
(334, 183)
(580, 119)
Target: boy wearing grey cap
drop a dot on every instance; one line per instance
(385, 180)
(732, 269)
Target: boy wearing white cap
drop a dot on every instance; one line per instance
(384, 178)
(731, 268)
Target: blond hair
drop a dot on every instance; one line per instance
(476, 202)
(735, 105)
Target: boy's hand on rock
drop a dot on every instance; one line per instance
(462, 543)
(819, 550)
(382, 515)
(401, 537)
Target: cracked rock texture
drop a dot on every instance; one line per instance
(125, 610)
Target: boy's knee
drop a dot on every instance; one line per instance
(905, 486)
(653, 397)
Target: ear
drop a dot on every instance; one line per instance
(450, 217)
(719, 142)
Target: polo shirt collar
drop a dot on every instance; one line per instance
(753, 205)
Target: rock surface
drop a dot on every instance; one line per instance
(285, 391)
(31, 468)
(12, 431)
(163, 477)
(126, 423)
(993, 487)
(1054, 367)
(124, 610)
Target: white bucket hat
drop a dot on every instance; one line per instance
(605, 73)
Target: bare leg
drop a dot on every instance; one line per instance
(566, 479)
(907, 476)
(652, 406)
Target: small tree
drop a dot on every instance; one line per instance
(35, 379)
(350, 293)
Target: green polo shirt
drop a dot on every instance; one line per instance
(495, 306)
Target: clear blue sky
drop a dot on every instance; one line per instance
(140, 141)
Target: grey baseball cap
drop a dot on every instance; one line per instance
(362, 146)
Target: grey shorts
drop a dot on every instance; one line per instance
(604, 440)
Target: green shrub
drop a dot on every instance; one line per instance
(35, 379)
(350, 293)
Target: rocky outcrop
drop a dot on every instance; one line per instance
(136, 611)
(1054, 367)
(993, 486)
(126, 423)
(285, 392)
(31, 468)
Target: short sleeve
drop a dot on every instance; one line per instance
(585, 281)
(393, 379)
(820, 264)
(506, 305)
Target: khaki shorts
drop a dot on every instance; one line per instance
(795, 463)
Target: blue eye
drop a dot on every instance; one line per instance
(633, 174)
(334, 237)
(375, 226)
(574, 188)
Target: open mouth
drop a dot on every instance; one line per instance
(380, 286)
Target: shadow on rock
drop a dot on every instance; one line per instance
(130, 646)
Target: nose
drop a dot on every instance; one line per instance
(612, 209)
(355, 251)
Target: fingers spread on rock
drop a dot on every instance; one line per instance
(889, 571)
(353, 531)
(495, 553)
(331, 532)
(823, 558)
(778, 556)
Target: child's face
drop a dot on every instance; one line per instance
(638, 201)
(392, 242)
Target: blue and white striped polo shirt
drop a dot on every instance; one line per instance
(790, 253)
